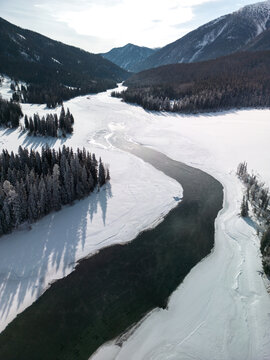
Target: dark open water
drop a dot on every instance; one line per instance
(114, 289)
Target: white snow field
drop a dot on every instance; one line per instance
(221, 310)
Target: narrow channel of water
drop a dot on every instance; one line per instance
(115, 288)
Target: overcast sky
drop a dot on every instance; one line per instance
(99, 25)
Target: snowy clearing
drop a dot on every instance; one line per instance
(55, 60)
(5, 91)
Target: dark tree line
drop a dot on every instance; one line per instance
(258, 196)
(201, 97)
(265, 250)
(10, 114)
(53, 94)
(239, 80)
(32, 184)
(50, 125)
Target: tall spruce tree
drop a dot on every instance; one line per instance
(244, 207)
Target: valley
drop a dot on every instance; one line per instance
(189, 138)
(128, 229)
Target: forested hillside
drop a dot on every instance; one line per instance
(57, 71)
(239, 80)
(260, 43)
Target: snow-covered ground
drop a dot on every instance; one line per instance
(221, 311)
(5, 91)
(137, 197)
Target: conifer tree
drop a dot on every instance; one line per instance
(244, 207)
(101, 173)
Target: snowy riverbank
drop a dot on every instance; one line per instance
(221, 311)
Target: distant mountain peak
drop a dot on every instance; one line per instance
(257, 7)
(128, 56)
(258, 13)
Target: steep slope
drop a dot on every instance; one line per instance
(261, 42)
(34, 58)
(222, 36)
(128, 57)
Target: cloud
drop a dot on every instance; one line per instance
(144, 22)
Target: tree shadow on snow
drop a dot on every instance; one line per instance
(206, 113)
(38, 141)
(8, 131)
(28, 256)
(251, 223)
(101, 197)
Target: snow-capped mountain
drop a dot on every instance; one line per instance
(128, 57)
(222, 36)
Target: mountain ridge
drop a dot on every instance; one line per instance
(34, 58)
(220, 37)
